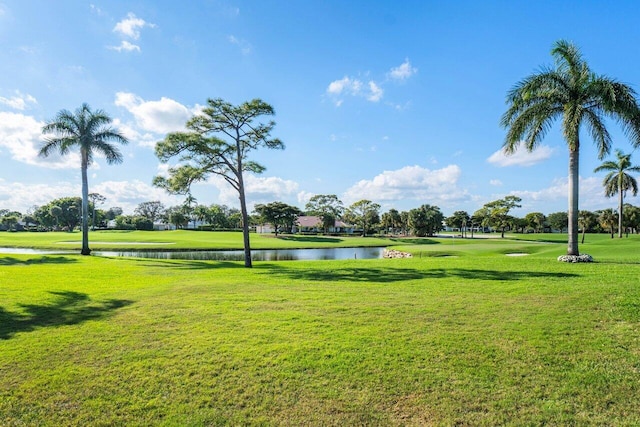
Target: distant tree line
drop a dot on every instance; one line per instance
(65, 214)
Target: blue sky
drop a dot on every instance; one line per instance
(395, 102)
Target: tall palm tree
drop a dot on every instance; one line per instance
(572, 93)
(618, 181)
(89, 132)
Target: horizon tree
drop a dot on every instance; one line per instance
(460, 220)
(327, 206)
(608, 218)
(619, 181)
(152, 210)
(95, 199)
(497, 212)
(218, 141)
(559, 220)
(391, 220)
(89, 132)
(535, 220)
(279, 214)
(586, 220)
(425, 220)
(631, 218)
(579, 98)
(364, 213)
(56, 212)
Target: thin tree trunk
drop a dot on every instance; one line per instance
(243, 210)
(574, 177)
(85, 206)
(245, 226)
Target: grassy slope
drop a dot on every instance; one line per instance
(481, 338)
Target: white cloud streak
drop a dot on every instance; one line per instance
(19, 101)
(410, 182)
(245, 47)
(126, 47)
(521, 157)
(403, 71)
(21, 136)
(354, 87)
(157, 117)
(131, 25)
(258, 189)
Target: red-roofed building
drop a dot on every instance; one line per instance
(313, 224)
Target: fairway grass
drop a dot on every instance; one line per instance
(461, 334)
(177, 240)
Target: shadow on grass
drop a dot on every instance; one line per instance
(390, 275)
(37, 260)
(184, 264)
(70, 308)
(314, 239)
(415, 241)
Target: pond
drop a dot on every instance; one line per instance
(256, 254)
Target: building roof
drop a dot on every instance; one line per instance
(315, 221)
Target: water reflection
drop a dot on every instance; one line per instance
(256, 254)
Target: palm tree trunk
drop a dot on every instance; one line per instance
(621, 200)
(574, 179)
(85, 206)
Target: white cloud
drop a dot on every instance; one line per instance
(129, 194)
(22, 136)
(521, 157)
(346, 84)
(304, 197)
(163, 169)
(410, 182)
(354, 87)
(403, 71)
(19, 101)
(21, 197)
(125, 194)
(125, 46)
(131, 25)
(496, 183)
(245, 47)
(143, 139)
(158, 117)
(376, 92)
(591, 195)
(258, 189)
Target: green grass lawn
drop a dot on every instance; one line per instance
(461, 334)
(178, 239)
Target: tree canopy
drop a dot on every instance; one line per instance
(280, 215)
(578, 98)
(619, 181)
(89, 132)
(217, 142)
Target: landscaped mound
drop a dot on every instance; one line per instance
(392, 253)
(575, 258)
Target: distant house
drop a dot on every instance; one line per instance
(265, 228)
(313, 224)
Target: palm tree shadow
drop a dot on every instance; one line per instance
(391, 274)
(37, 260)
(183, 264)
(70, 308)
